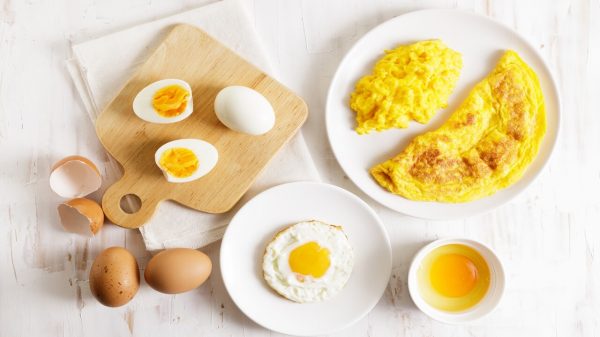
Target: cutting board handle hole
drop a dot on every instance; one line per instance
(130, 203)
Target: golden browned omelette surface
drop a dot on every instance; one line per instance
(485, 145)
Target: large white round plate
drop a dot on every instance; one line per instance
(261, 218)
(481, 41)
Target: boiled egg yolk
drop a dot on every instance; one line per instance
(453, 278)
(170, 101)
(310, 259)
(179, 162)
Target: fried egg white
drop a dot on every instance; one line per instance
(486, 144)
(309, 261)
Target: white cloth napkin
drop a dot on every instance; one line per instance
(100, 67)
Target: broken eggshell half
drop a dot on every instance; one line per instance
(81, 216)
(75, 177)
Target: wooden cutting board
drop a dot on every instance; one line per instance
(190, 54)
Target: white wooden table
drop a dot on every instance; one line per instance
(549, 238)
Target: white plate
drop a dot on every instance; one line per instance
(481, 41)
(261, 218)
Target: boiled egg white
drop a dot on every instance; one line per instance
(244, 110)
(309, 261)
(165, 101)
(186, 160)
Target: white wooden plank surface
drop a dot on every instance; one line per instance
(549, 238)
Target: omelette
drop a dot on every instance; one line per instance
(485, 145)
(411, 82)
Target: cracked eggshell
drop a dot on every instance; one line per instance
(75, 177)
(81, 216)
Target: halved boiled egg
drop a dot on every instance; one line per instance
(185, 160)
(165, 101)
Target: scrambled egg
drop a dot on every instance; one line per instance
(485, 145)
(411, 82)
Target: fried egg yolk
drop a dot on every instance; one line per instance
(453, 278)
(179, 162)
(170, 101)
(310, 259)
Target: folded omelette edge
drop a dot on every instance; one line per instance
(486, 144)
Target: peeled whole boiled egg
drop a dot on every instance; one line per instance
(244, 110)
(185, 160)
(165, 101)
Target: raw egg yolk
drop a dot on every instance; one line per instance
(310, 259)
(453, 275)
(170, 101)
(179, 162)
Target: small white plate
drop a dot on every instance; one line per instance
(481, 309)
(261, 218)
(481, 41)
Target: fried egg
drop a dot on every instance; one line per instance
(411, 82)
(486, 144)
(309, 261)
(453, 278)
(185, 160)
(165, 101)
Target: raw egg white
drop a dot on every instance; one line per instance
(453, 278)
(164, 101)
(309, 261)
(186, 160)
(244, 110)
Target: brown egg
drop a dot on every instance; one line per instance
(177, 270)
(114, 277)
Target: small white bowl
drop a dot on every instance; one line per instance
(481, 309)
